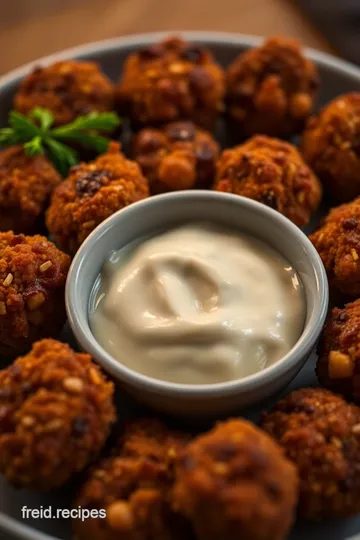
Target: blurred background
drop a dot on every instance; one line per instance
(33, 28)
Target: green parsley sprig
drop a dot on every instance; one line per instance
(36, 134)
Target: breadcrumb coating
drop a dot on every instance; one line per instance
(55, 413)
(271, 89)
(331, 145)
(272, 172)
(234, 482)
(179, 156)
(32, 282)
(26, 184)
(171, 80)
(133, 487)
(320, 433)
(68, 89)
(337, 240)
(91, 193)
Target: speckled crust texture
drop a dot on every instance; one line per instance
(25, 187)
(171, 80)
(133, 487)
(68, 89)
(179, 156)
(338, 366)
(234, 482)
(271, 89)
(32, 281)
(91, 193)
(337, 240)
(55, 413)
(331, 145)
(272, 172)
(320, 433)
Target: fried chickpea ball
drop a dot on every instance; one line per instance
(55, 414)
(337, 240)
(68, 89)
(331, 145)
(91, 193)
(133, 486)
(320, 433)
(271, 89)
(234, 482)
(338, 366)
(171, 80)
(272, 172)
(26, 184)
(179, 156)
(32, 282)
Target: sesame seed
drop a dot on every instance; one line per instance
(45, 266)
(74, 385)
(119, 516)
(354, 254)
(356, 429)
(8, 280)
(28, 421)
(35, 301)
(94, 376)
(177, 68)
(321, 237)
(2, 308)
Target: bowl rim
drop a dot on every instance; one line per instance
(9, 524)
(88, 342)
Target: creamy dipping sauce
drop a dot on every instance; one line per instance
(198, 305)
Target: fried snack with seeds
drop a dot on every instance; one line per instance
(234, 482)
(26, 184)
(337, 240)
(68, 89)
(32, 282)
(320, 433)
(331, 146)
(133, 486)
(178, 156)
(338, 366)
(171, 80)
(56, 409)
(272, 172)
(91, 193)
(271, 89)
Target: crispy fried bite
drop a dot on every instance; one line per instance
(171, 80)
(320, 433)
(26, 184)
(331, 145)
(133, 487)
(272, 172)
(32, 282)
(91, 193)
(68, 89)
(271, 89)
(234, 482)
(338, 366)
(337, 240)
(55, 413)
(179, 156)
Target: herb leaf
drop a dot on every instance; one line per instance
(34, 146)
(44, 116)
(8, 136)
(23, 126)
(94, 121)
(62, 155)
(89, 140)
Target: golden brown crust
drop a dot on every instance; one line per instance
(234, 482)
(338, 366)
(179, 156)
(32, 281)
(171, 80)
(271, 89)
(337, 240)
(26, 184)
(91, 193)
(55, 413)
(68, 89)
(133, 487)
(331, 145)
(320, 433)
(272, 172)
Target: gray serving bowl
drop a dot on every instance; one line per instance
(146, 218)
(337, 77)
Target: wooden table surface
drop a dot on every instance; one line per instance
(30, 29)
